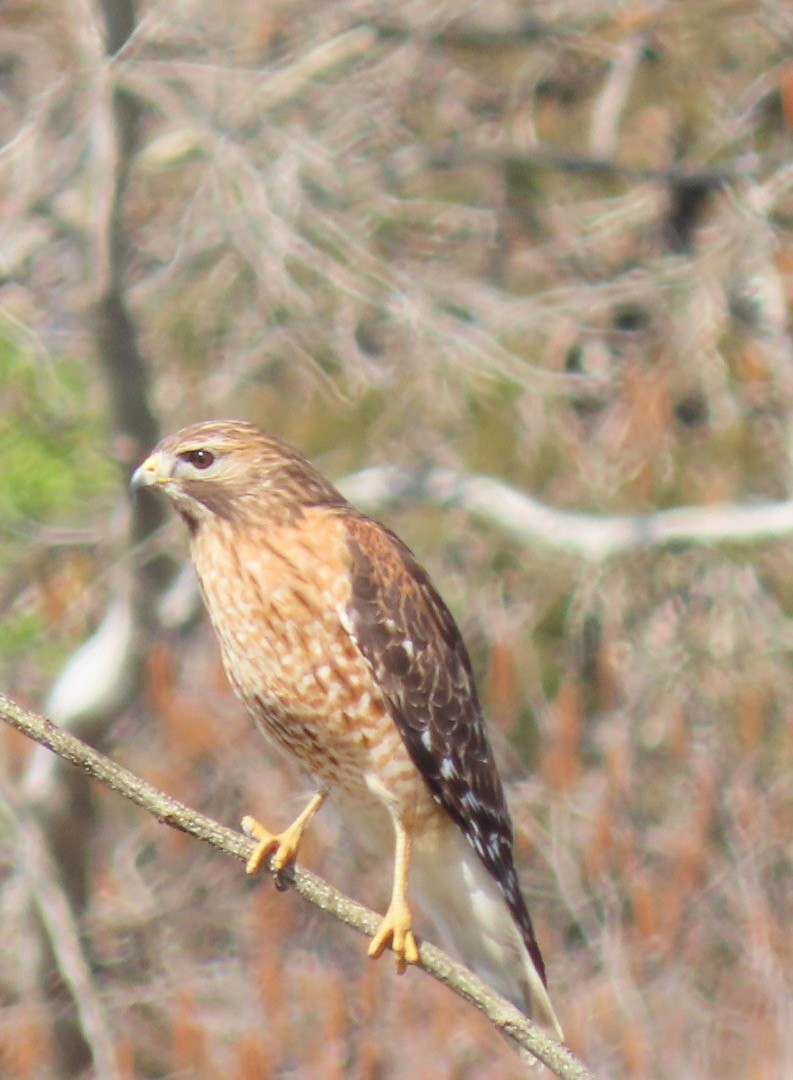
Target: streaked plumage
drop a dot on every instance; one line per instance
(336, 640)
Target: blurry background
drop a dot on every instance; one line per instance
(545, 242)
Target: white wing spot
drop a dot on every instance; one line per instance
(448, 770)
(493, 849)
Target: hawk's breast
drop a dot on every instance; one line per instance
(277, 599)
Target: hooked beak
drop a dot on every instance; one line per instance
(152, 472)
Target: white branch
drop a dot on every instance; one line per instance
(595, 537)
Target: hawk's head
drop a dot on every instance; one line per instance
(232, 470)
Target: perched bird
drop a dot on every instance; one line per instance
(345, 655)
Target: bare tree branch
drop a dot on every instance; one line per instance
(595, 537)
(504, 31)
(681, 176)
(611, 101)
(312, 888)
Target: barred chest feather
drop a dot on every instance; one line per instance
(277, 598)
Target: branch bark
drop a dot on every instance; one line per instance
(311, 887)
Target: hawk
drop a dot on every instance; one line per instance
(337, 642)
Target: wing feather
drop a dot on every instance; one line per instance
(412, 644)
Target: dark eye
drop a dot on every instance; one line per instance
(199, 459)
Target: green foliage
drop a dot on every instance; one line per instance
(55, 471)
(51, 440)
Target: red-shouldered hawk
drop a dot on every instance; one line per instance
(346, 656)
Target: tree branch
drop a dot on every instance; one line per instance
(312, 888)
(460, 153)
(596, 537)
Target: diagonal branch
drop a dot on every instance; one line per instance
(312, 888)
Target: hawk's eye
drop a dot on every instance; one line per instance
(199, 459)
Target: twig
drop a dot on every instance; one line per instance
(273, 89)
(312, 888)
(611, 101)
(460, 154)
(508, 33)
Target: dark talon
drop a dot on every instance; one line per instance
(283, 879)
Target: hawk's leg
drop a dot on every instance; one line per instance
(396, 929)
(284, 844)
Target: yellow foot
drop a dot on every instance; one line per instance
(284, 844)
(396, 930)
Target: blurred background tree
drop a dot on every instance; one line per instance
(546, 242)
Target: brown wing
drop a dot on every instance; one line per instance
(417, 654)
